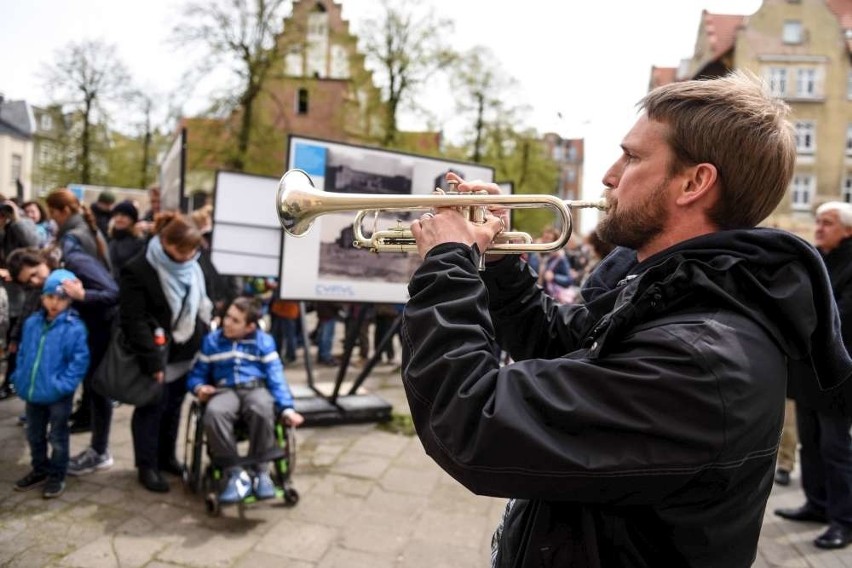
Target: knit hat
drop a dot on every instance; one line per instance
(107, 197)
(126, 208)
(53, 284)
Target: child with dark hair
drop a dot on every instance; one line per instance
(239, 373)
(52, 360)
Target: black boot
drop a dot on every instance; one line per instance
(151, 480)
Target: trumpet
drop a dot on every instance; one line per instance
(300, 203)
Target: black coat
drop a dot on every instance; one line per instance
(803, 389)
(143, 307)
(637, 429)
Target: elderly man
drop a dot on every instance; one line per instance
(824, 418)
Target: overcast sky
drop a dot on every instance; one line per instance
(586, 60)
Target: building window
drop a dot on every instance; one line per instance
(302, 102)
(46, 122)
(778, 81)
(806, 82)
(802, 191)
(849, 138)
(846, 190)
(793, 32)
(805, 136)
(16, 168)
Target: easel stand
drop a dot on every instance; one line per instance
(356, 405)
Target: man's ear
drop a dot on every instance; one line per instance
(699, 183)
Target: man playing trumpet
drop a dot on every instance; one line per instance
(638, 428)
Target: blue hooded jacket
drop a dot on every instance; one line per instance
(226, 363)
(53, 357)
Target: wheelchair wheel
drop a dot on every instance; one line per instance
(194, 449)
(291, 496)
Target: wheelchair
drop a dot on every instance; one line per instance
(202, 475)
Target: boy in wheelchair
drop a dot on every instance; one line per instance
(239, 375)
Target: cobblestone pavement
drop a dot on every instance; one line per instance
(369, 498)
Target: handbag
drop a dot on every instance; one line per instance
(119, 376)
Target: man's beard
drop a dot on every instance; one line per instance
(636, 227)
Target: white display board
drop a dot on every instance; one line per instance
(246, 232)
(172, 170)
(323, 264)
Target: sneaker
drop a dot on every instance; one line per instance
(30, 481)
(263, 486)
(53, 488)
(238, 487)
(89, 461)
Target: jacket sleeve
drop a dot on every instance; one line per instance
(527, 322)
(101, 288)
(77, 358)
(200, 373)
(274, 371)
(569, 426)
(134, 317)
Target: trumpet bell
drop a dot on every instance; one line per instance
(295, 191)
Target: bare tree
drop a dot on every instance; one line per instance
(406, 45)
(241, 35)
(85, 76)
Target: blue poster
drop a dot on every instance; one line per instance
(310, 158)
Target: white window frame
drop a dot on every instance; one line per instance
(17, 168)
(849, 139)
(793, 32)
(802, 191)
(807, 82)
(846, 188)
(777, 81)
(806, 137)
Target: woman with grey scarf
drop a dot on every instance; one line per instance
(166, 287)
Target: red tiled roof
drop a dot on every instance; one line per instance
(721, 31)
(662, 76)
(843, 10)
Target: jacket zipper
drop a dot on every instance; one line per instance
(38, 357)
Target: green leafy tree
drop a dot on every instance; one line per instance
(405, 45)
(480, 88)
(238, 35)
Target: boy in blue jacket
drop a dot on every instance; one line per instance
(238, 373)
(53, 358)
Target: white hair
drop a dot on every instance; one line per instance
(844, 211)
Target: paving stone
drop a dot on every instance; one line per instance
(343, 558)
(308, 542)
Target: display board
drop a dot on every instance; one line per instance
(246, 232)
(323, 264)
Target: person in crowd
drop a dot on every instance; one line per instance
(125, 242)
(53, 360)
(386, 315)
(95, 296)
(16, 231)
(239, 375)
(102, 210)
(789, 445)
(555, 271)
(165, 287)
(78, 235)
(146, 224)
(45, 226)
(359, 317)
(824, 419)
(285, 327)
(327, 316)
(639, 427)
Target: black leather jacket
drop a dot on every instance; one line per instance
(637, 429)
